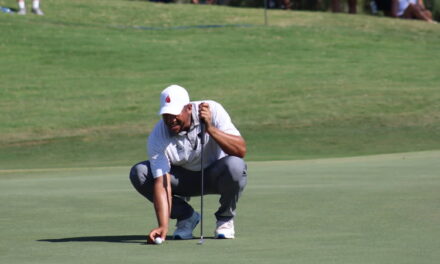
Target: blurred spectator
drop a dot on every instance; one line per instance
(35, 7)
(336, 7)
(162, 1)
(381, 5)
(283, 4)
(410, 9)
(208, 2)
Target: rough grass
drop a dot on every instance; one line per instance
(81, 84)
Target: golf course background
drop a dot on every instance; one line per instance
(340, 114)
(80, 85)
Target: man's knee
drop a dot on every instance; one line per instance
(236, 168)
(139, 174)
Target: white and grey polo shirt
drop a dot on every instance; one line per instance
(165, 149)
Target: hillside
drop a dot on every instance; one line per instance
(80, 85)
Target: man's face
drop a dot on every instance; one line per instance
(180, 122)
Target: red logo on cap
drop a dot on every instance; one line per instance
(168, 99)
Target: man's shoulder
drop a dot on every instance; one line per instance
(205, 101)
(159, 133)
(212, 104)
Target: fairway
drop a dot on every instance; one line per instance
(372, 209)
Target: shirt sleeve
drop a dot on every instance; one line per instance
(159, 162)
(222, 120)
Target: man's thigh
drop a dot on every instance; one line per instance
(185, 182)
(226, 173)
(188, 183)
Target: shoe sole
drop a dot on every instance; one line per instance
(222, 236)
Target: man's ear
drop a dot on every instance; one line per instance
(189, 107)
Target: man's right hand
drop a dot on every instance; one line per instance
(162, 204)
(157, 232)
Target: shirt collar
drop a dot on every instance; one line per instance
(195, 117)
(195, 122)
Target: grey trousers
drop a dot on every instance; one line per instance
(226, 177)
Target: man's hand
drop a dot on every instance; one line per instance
(230, 144)
(205, 114)
(157, 232)
(162, 204)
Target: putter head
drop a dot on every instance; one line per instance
(201, 241)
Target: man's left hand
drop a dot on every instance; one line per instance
(205, 114)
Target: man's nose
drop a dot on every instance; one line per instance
(169, 118)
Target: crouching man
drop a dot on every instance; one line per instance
(173, 170)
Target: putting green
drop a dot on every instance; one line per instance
(373, 209)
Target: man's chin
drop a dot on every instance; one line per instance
(175, 130)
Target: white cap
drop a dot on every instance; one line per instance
(173, 99)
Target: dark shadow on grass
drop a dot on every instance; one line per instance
(135, 239)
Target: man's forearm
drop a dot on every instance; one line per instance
(230, 144)
(162, 200)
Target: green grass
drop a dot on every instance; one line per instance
(79, 92)
(372, 209)
(80, 85)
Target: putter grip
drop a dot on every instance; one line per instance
(202, 132)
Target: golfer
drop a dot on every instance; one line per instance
(173, 171)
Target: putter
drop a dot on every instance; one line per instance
(202, 142)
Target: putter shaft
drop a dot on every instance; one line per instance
(202, 141)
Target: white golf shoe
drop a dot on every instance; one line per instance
(21, 11)
(185, 227)
(37, 11)
(225, 229)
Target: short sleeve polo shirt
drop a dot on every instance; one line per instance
(165, 149)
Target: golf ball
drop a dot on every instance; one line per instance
(158, 240)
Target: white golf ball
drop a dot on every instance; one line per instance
(158, 240)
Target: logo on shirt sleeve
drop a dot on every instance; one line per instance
(180, 148)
